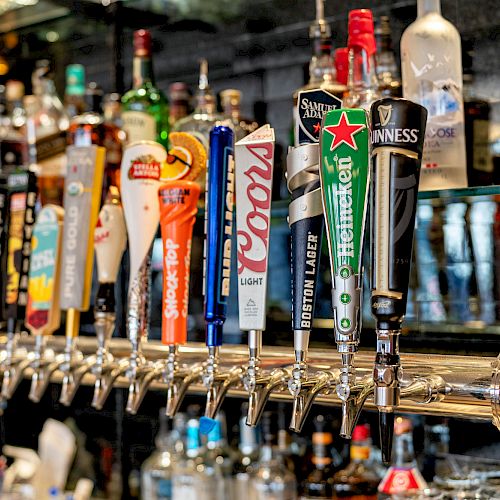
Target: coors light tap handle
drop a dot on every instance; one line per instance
(306, 220)
(218, 231)
(178, 207)
(140, 179)
(254, 179)
(397, 135)
(110, 242)
(344, 177)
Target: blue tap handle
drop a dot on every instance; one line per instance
(218, 230)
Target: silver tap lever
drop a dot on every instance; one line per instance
(73, 377)
(178, 384)
(321, 382)
(265, 384)
(144, 376)
(217, 390)
(106, 376)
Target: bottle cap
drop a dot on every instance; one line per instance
(361, 433)
(361, 30)
(75, 79)
(142, 43)
(342, 64)
(402, 425)
(14, 90)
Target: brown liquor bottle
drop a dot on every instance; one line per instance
(358, 481)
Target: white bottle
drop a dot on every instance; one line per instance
(431, 62)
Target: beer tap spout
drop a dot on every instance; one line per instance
(145, 375)
(353, 402)
(106, 377)
(178, 384)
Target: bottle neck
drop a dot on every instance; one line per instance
(362, 70)
(428, 6)
(404, 454)
(142, 71)
(321, 457)
(205, 102)
(360, 451)
(322, 66)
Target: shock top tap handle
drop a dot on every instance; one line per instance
(43, 314)
(110, 242)
(218, 231)
(140, 179)
(398, 130)
(344, 177)
(178, 207)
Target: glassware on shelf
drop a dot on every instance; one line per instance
(231, 102)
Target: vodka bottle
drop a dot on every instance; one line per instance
(432, 76)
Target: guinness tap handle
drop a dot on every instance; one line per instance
(398, 130)
(178, 207)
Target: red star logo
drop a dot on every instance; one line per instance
(317, 128)
(344, 132)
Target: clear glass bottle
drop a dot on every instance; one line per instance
(144, 107)
(403, 477)
(46, 126)
(219, 461)
(387, 67)
(231, 101)
(359, 480)
(246, 458)
(322, 74)
(319, 482)
(362, 82)
(205, 116)
(74, 96)
(272, 480)
(156, 471)
(431, 63)
(14, 93)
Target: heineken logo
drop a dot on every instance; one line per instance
(345, 247)
(343, 132)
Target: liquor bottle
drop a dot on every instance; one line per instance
(271, 479)
(46, 125)
(179, 97)
(218, 460)
(320, 481)
(387, 68)
(362, 82)
(14, 93)
(342, 64)
(477, 130)
(112, 109)
(189, 481)
(74, 96)
(403, 476)
(246, 457)
(204, 117)
(231, 101)
(431, 63)
(322, 74)
(156, 471)
(145, 108)
(91, 128)
(358, 481)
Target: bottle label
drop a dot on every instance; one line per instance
(164, 489)
(360, 452)
(482, 159)
(139, 126)
(402, 479)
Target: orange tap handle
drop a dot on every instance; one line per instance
(178, 206)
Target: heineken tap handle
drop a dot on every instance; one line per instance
(397, 135)
(344, 177)
(140, 180)
(306, 220)
(110, 242)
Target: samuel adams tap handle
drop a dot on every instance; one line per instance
(345, 176)
(398, 130)
(305, 219)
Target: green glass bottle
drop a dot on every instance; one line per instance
(145, 108)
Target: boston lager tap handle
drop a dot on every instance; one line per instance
(398, 130)
(344, 177)
(178, 207)
(218, 231)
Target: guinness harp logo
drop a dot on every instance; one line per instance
(384, 113)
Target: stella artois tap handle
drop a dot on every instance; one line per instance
(43, 315)
(217, 269)
(110, 242)
(306, 221)
(254, 178)
(82, 197)
(140, 180)
(398, 130)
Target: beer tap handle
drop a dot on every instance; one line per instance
(398, 130)
(254, 178)
(344, 177)
(82, 197)
(306, 220)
